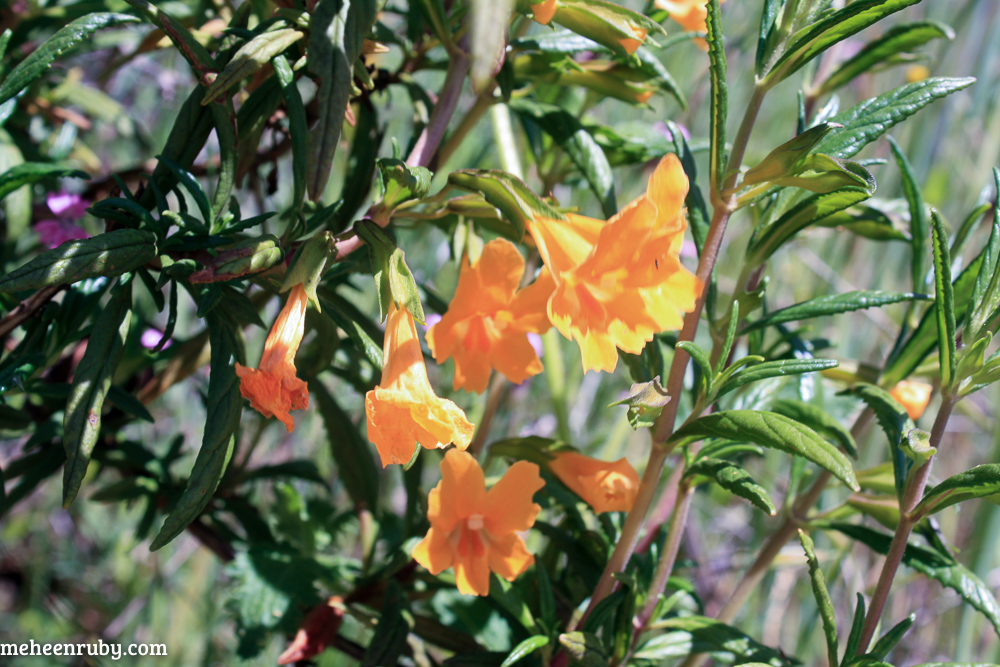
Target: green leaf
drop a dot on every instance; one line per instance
(394, 624)
(241, 259)
(250, 58)
(606, 23)
(817, 419)
(895, 423)
(298, 128)
(834, 27)
(584, 649)
(734, 479)
(697, 211)
(525, 648)
(91, 382)
(110, 254)
(309, 265)
(889, 640)
(32, 172)
(645, 401)
(979, 482)
(719, 97)
(355, 465)
(774, 431)
(945, 301)
(985, 295)
(567, 131)
(857, 625)
(337, 31)
(39, 60)
(822, 595)
(808, 212)
(487, 44)
(767, 35)
(899, 39)
(867, 221)
(224, 118)
(393, 280)
(771, 369)
(515, 200)
(869, 120)
(936, 565)
(919, 221)
(687, 635)
(401, 183)
(831, 305)
(225, 405)
(299, 469)
(782, 160)
(353, 322)
(187, 137)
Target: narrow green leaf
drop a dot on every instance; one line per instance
(612, 25)
(727, 343)
(337, 31)
(857, 625)
(240, 259)
(985, 296)
(822, 595)
(299, 469)
(889, 640)
(870, 119)
(187, 137)
(91, 382)
(584, 649)
(297, 127)
(979, 482)
(225, 405)
(355, 465)
(771, 369)
(774, 431)
(525, 648)
(697, 210)
(515, 200)
(69, 37)
(832, 28)
(831, 305)
(567, 131)
(938, 566)
(32, 172)
(867, 221)
(734, 479)
(817, 419)
(719, 97)
(687, 635)
(394, 624)
(810, 211)
(224, 118)
(945, 301)
(919, 220)
(251, 57)
(782, 160)
(353, 322)
(899, 39)
(767, 35)
(110, 254)
(895, 423)
(393, 281)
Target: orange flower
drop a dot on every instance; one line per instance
(691, 14)
(914, 396)
(488, 321)
(475, 531)
(273, 388)
(544, 11)
(620, 283)
(607, 487)
(403, 409)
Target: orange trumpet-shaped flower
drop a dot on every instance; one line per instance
(691, 14)
(273, 388)
(620, 283)
(607, 487)
(474, 530)
(403, 410)
(488, 321)
(914, 396)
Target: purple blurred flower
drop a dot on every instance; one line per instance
(68, 208)
(151, 338)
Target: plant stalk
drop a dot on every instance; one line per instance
(429, 140)
(912, 494)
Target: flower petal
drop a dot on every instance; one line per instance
(509, 556)
(433, 552)
(508, 506)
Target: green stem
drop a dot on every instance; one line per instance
(912, 494)
(555, 373)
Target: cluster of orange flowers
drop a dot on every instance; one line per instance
(607, 285)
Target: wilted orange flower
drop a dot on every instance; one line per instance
(474, 530)
(607, 487)
(488, 321)
(273, 388)
(619, 283)
(403, 410)
(914, 396)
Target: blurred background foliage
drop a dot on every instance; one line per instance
(87, 572)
